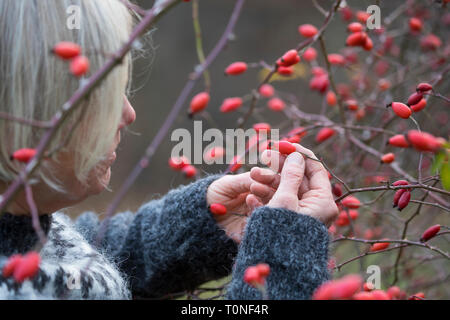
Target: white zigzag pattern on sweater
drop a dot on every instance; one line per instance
(62, 275)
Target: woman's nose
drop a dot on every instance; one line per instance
(128, 114)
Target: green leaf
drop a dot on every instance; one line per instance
(437, 163)
(445, 175)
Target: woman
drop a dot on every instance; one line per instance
(170, 244)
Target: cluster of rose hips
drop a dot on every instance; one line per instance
(351, 287)
(256, 275)
(21, 267)
(79, 64)
(183, 164)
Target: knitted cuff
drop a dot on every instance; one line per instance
(294, 245)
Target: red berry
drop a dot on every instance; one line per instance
(285, 71)
(331, 98)
(404, 200)
(397, 196)
(284, 147)
(430, 233)
(320, 83)
(368, 286)
(346, 13)
(363, 296)
(419, 106)
(262, 126)
(351, 202)
(199, 102)
(252, 276)
(218, 209)
(379, 246)
(318, 71)
(79, 66)
(11, 265)
(356, 39)
(368, 44)
(24, 155)
(336, 59)
(276, 104)
(401, 109)
(235, 164)
(388, 158)
(342, 219)
(236, 68)
(354, 214)
(424, 87)
(337, 189)
(324, 134)
(394, 292)
(290, 58)
(417, 296)
(178, 163)
(352, 104)
(400, 183)
(362, 16)
(256, 275)
(423, 141)
(310, 54)
(231, 104)
(299, 131)
(189, 171)
(67, 50)
(266, 90)
(430, 42)
(355, 27)
(414, 98)
(263, 269)
(343, 288)
(27, 267)
(399, 140)
(214, 153)
(415, 24)
(384, 84)
(380, 295)
(307, 30)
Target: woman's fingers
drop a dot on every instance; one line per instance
(273, 159)
(236, 184)
(253, 202)
(315, 171)
(272, 179)
(292, 175)
(263, 191)
(265, 176)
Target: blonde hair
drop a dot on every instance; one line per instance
(34, 84)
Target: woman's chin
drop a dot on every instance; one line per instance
(102, 182)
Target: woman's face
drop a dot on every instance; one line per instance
(101, 175)
(98, 178)
(48, 201)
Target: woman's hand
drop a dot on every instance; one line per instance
(303, 185)
(232, 191)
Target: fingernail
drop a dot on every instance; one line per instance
(294, 157)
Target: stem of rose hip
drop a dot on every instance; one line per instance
(199, 43)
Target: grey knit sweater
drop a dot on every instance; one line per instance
(167, 246)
